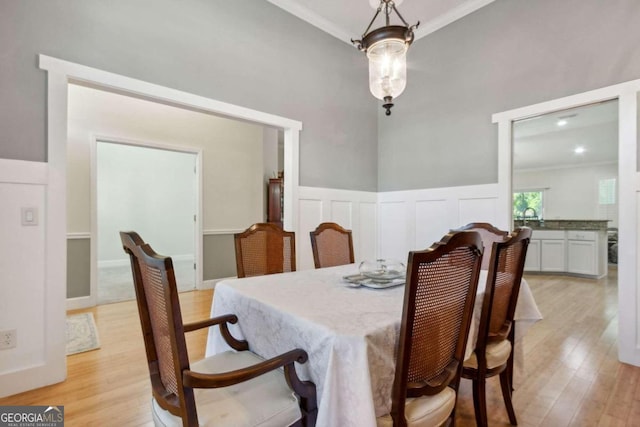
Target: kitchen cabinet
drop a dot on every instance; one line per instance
(532, 261)
(548, 251)
(567, 251)
(552, 255)
(582, 251)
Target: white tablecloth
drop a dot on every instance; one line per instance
(349, 333)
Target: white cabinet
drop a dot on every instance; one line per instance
(552, 256)
(582, 252)
(571, 251)
(532, 261)
(546, 251)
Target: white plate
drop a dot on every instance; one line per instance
(357, 280)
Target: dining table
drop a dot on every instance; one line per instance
(350, 333)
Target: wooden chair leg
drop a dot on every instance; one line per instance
(480, 402)
(512, 335)
(506, 395)
(510, 371)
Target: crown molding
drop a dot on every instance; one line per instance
(426, 27)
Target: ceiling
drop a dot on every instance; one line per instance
(541, 143)
(347, 19)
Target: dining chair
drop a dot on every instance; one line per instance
(439, 297)
(493, 354)
(265, 248)
(331, 245)
(489, 234)
(233, 388)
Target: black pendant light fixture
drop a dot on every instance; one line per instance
(386, 47)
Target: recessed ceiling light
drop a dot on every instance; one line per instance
(562, 122)
(579, 150)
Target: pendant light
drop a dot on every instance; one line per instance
(386, 47)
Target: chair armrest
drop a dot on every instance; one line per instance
(202, 380)
(305, 389)
(225, 318)
(223, 322)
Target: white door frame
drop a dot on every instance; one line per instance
(59, 74)
(93, 297)
(629, 195)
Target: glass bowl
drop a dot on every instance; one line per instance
(382, 270)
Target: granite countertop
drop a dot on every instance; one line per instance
(564, 224)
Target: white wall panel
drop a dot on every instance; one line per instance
(432, 222)
(342, 213)
(28, 300)
(354, 210)
(477, 210)
(364, 246)
(393, 230)
(310, 215)
(22, 265)
(415, 219)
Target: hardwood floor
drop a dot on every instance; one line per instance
(572, 376)
(110, 386)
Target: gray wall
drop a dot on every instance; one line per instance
(245, 52)
(509, 54)
(78, 268)
(219, 256)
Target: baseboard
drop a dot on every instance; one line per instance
(110, 263)
(211, 284)
(79, 302)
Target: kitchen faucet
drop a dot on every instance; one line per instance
(524, 215)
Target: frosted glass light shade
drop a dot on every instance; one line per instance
(387, 68)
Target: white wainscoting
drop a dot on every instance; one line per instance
(354, 210)
(415, 219)
(390, 224)
(29, 302)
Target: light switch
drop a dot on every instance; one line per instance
(30, 216)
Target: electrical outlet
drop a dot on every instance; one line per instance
(8, 339)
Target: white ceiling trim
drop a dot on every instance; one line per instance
(314, 19)
(426, 27)
(453, 15)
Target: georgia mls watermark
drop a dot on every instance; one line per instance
(31, 416)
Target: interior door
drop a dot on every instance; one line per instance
(152, 191)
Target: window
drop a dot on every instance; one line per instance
(607, 191)
(528, 204)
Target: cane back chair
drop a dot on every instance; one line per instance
(494, 350)
(233, 388)
(265, 248)
(439, 297)
(331, 245)
(489, 235)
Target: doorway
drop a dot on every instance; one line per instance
(628, 96)
(60, 74)
(564, 178)
(153, 191)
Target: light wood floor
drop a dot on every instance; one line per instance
(572, 375)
